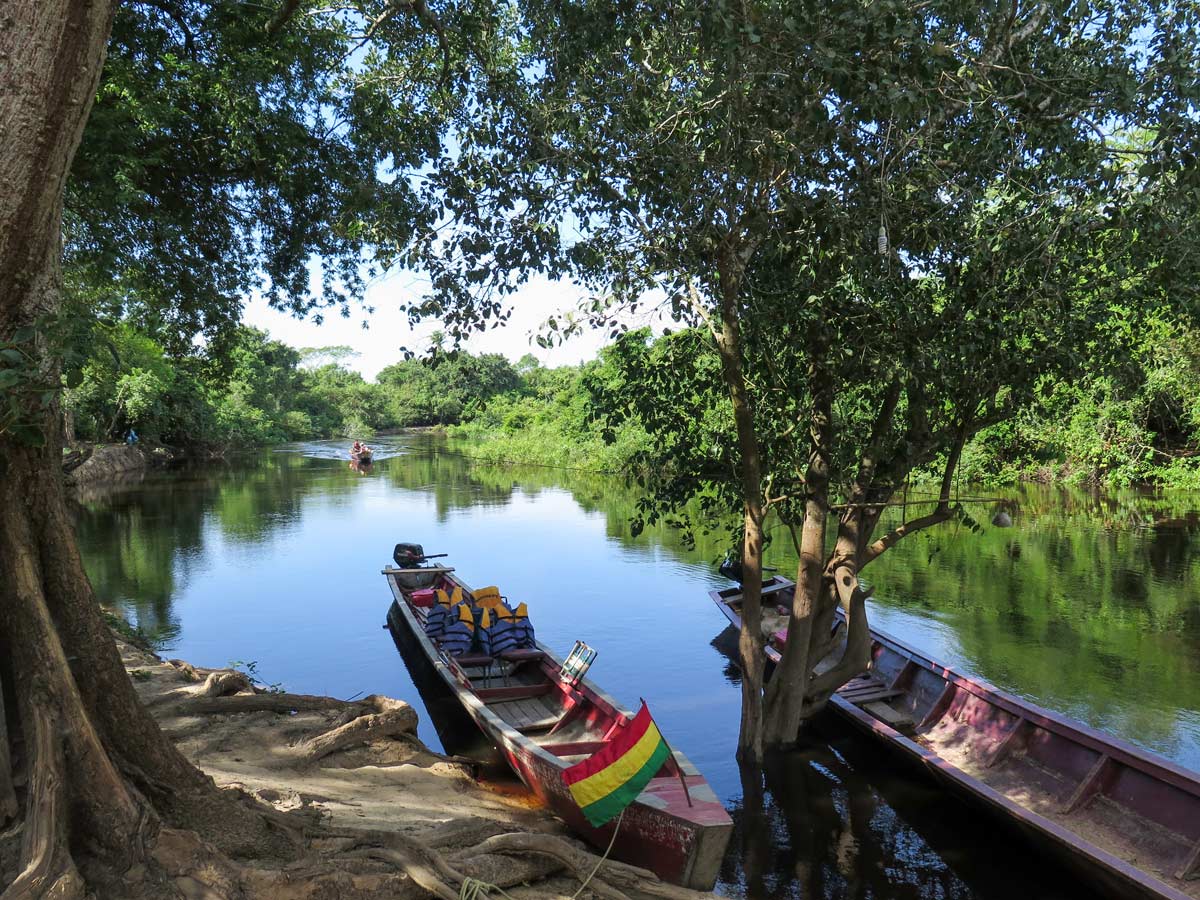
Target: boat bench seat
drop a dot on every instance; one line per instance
(522, 654)
(471, 660)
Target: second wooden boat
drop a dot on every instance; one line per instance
(1126, 819)
(539, 719)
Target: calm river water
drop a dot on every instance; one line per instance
(1089, 605)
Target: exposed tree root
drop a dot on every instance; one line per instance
(227, 681)
(612, 878)
(369, 727)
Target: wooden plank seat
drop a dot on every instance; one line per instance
(522, 654)
(899, 720)
(474, 660)
(868, 696)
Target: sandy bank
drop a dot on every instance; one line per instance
(381, 815)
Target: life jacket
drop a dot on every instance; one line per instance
(488, 597)
(459, 633)
(484, 623)
(438, 616)
(506, 634)
(526, 639)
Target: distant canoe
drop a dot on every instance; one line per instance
(363, 456)
(539, 723)
(1126, 819)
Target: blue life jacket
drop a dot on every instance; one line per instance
(524, 627)
(436, 621)
(506, 634)
(458, 637)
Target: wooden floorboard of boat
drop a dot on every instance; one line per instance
(1102, 822)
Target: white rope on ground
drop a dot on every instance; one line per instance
(474, 889)
(601, 860)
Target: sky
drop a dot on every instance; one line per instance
(388, 330)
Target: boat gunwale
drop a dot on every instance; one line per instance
(1123, 752)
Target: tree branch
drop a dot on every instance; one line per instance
(282, 17)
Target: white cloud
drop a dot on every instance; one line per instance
(388, 330)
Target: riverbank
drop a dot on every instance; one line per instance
(380, 814)
(85, 464)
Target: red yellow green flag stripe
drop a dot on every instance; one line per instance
(610, 779)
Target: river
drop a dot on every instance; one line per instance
(1088, 605)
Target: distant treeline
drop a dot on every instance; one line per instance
(253, 390)
(1141, 427)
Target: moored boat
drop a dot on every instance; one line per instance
(1123, 817)
(541, 716)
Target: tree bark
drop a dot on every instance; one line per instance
(750, 640)
(114, 770)
(785, 697)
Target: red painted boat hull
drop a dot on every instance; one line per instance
(659, 831)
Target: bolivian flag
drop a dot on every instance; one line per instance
(610, 779)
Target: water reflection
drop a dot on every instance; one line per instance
(1089, 605)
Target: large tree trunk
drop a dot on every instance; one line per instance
(99, 773)
(786, 694)
(750, 640)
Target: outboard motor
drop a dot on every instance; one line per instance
(731, 568)
(409, 556)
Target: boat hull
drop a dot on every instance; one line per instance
(1070, 778)
(684, 847)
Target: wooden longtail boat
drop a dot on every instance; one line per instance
(1124, 818)
(540, 723)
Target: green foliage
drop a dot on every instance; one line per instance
(230, 151)
(445, 388)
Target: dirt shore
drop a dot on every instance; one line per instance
(368, 796)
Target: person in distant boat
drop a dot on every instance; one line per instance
(357, 448)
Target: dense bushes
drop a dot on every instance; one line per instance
(1143, 426)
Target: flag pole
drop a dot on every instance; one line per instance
(687, 795)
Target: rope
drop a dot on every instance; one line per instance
(474, 889)
(601, 860)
